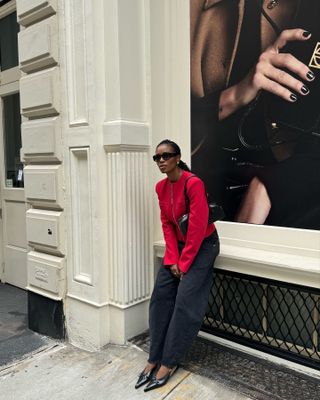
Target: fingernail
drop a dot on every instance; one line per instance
(304, 89)
(293, 97)
(306, 34)
(310, 75)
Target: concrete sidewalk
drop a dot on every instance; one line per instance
(64, 372)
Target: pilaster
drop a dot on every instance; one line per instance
(129, 239)
(126, 140)
(82, 105)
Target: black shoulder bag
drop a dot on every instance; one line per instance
(215, 211)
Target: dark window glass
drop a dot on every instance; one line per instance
(12, 140)
(9, 29)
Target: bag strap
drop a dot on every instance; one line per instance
(186, 198)
(274, 26)
(272, 23)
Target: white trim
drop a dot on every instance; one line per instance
(8, 9)
(8, 89)
(89, 302)
(10, 75)
(107, 303)
(44, 293)
(126, 306)
(262, 355)
(77, 60)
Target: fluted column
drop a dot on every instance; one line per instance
(128, 216)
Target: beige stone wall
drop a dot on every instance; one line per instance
(40, 90)
(85, 99)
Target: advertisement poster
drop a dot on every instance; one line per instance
(255, 108)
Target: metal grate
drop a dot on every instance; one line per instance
(273, 316)
(251, 376)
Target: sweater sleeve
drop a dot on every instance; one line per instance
(170, 237)
(197, 225)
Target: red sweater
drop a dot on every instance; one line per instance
(172, 207)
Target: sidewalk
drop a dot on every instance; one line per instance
(64, 372)
(35, 367)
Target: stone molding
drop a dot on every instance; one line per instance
(31, 11)
(40, 93)
(47, 272)
(41, 140)
(45, 231)
(125, 136)
(38, 46)
(44, 186)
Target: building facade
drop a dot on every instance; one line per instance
(97, 85)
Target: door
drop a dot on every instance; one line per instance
(13, 206)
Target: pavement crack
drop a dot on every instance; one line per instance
(178, 383)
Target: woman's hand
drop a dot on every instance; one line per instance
(269, 74)
(176, 271)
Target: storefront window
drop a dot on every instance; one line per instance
(12, 140)
(9, 29)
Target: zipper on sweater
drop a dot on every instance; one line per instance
(172, 206)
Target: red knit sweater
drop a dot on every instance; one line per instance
(172, 207)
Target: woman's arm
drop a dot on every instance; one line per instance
(197, 224)
(269, 74)
(171, 256)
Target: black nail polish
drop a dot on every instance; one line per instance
(310, 75)
(304, 89)
(293, 97)
(306, 34)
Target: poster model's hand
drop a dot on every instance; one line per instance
(270, 74)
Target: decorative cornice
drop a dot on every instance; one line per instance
(125, 136)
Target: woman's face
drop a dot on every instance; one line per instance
(168, 161)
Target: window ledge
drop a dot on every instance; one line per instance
(278, 265)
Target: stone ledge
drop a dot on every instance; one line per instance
(280, 266)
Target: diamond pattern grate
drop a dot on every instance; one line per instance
(276, 317)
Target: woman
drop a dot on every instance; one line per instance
(181, 291)
(236, 53)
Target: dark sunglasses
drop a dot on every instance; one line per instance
(165, 156)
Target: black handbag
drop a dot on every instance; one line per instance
(215, 211)
(301, 117)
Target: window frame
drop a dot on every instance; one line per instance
(9, 85)
(280, 253)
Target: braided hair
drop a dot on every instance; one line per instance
(177, 150)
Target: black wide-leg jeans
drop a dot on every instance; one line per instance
(177, 307)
